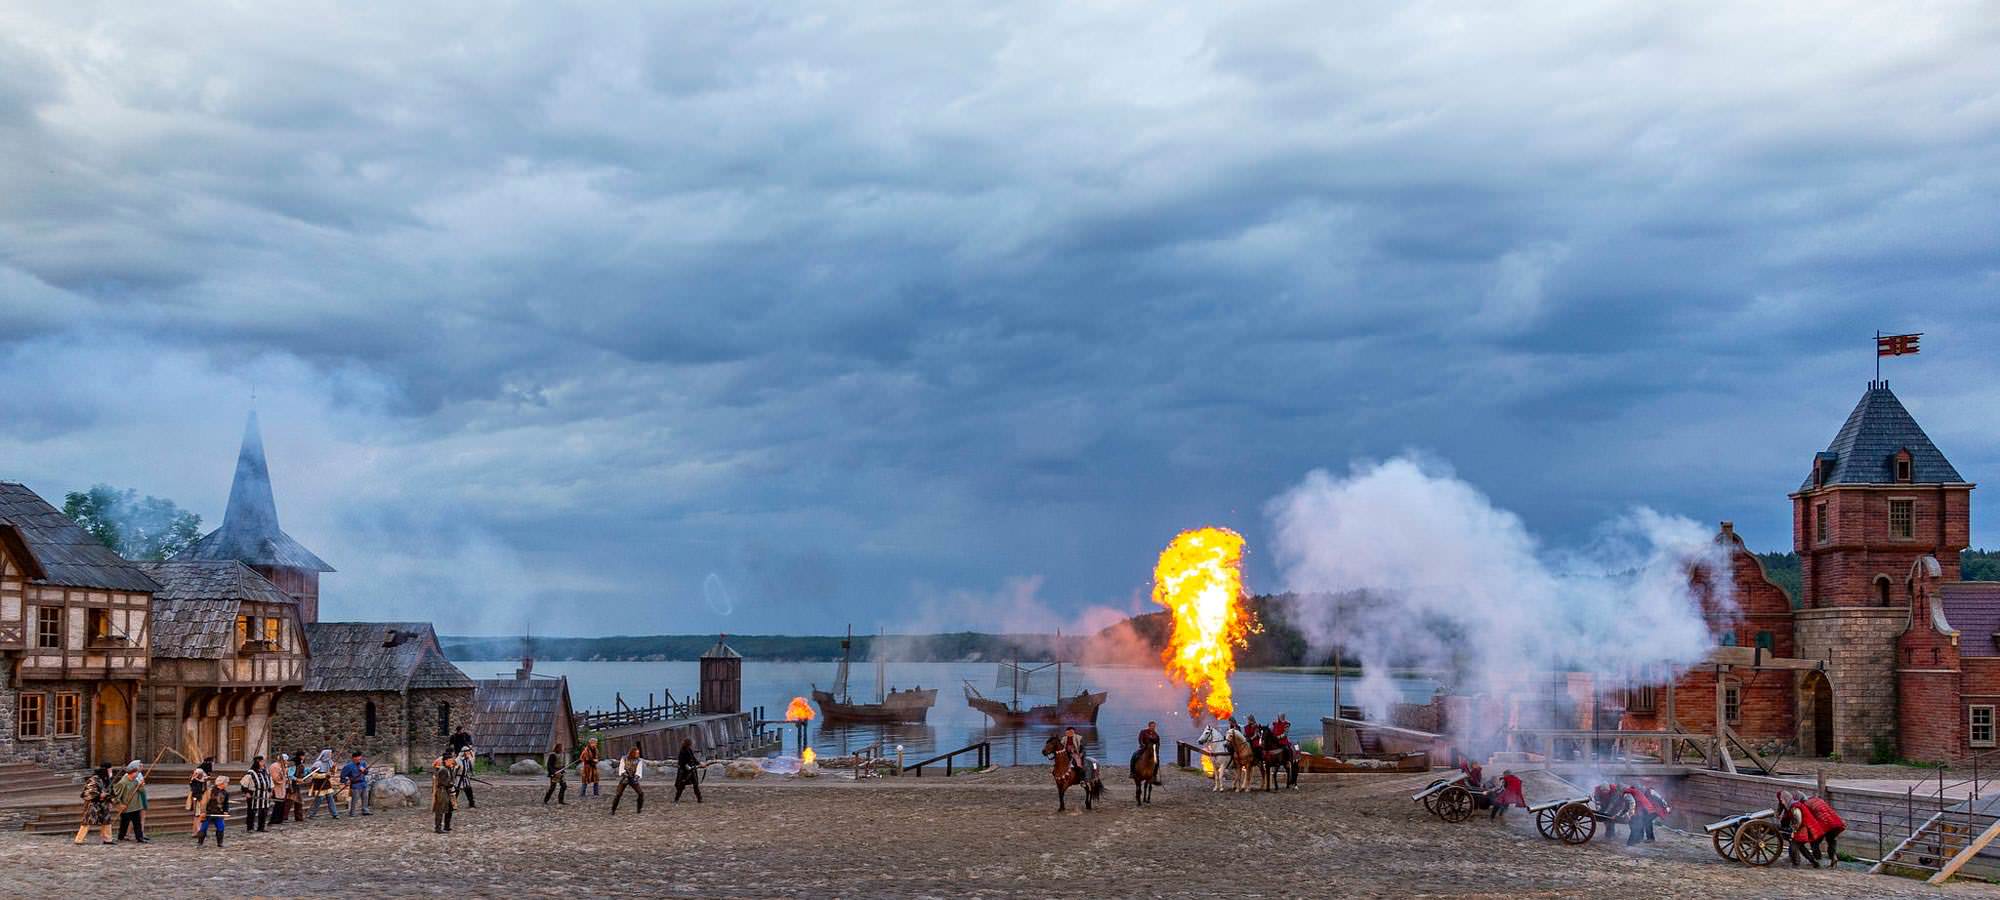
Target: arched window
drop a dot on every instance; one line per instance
(368, 719)
(444, 720)
(1881, 590)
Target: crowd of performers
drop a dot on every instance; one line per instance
(296, 788)
(1809, 822)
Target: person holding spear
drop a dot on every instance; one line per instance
(129, 796)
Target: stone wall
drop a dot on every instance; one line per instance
(427, 739)
(1859, 645)
(312, 721)
(62, 754)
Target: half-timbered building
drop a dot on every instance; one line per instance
(73, 638)
(228, 649)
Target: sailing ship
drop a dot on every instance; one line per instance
(837, 706)
(1080, 709)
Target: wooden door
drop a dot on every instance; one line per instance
(111, 731)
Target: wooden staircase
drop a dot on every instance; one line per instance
(49, 803)
(1936, 847)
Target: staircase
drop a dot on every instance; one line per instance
(48, 803)
(1940, 840)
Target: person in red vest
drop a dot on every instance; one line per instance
(1507, 794)
(1647, 807)
(1472, 773)
(1805, 826)
(1609, 800)
(1833, 825)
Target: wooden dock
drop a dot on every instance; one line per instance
(715, 735)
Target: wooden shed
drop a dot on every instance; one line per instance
(721, 679)
(523, 717)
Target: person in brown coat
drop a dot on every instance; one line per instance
(444, 792)
(586, 766)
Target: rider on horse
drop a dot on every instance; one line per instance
(1072, 744)
(1150, 737)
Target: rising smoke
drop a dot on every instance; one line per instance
(1401, 564)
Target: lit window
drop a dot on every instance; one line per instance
(1902, 519)
(242, 630)
(28, 718)
(273, 629)
(1732, 703)
(1819, 522)
(1981, 731)
(69, 715)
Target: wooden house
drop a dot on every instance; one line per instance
(73, 638)
(383, 688)
(227, 650)
(523, 717)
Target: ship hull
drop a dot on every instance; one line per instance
(1079, 710)
(899, 707)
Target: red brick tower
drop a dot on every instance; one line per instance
(1879, 498)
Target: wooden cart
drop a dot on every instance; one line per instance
(1751, 838)
(1449, 799)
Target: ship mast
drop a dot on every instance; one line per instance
(881, 667)
(846, 652)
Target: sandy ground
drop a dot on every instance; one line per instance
(993, 834)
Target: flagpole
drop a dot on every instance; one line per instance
(1878, 354)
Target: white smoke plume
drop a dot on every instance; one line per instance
(1402, 564)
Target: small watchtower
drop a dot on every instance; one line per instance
(721, 678)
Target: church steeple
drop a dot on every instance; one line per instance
(250, 532)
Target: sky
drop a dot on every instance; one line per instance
(595, 319)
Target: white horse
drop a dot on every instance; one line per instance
(1216, 741)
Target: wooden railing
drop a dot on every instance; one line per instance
(1184, 754)
(623, 714)
(982, 756)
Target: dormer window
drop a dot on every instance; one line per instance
(1903, 468)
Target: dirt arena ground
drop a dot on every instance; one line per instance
(993, 834)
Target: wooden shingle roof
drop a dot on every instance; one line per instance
(66, 554)
(377, 656)
(195, 609)
(521, 716)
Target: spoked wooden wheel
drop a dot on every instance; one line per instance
(1575, 825)
(1545, 821)
(1725, 843)
(1431, 800)
(1759, 843)
(1454, 804)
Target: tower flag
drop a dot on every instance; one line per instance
(1893, 345)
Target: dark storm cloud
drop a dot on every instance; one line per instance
(567, 307)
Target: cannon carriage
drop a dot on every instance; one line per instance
(1550, 822)
(1752, 838)
(1450, 798)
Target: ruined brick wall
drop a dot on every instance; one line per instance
(1859, 645)
(310, 721)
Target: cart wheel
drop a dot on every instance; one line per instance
(1725, 843)
(1430, 800)
(1759, 843)
(1454, 804)
(1575, 824)
(1545, 821)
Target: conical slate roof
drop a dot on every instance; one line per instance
(1864, 451)
(250, 532)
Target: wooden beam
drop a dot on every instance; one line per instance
(1965, 856)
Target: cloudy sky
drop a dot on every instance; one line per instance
(702, 318)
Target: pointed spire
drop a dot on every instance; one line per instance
(1876, 432)
(250, 532)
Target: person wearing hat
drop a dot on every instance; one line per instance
(128, 796)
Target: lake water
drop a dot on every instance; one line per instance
(1136, 695)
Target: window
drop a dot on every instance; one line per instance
(1881, 590)
(100, 626)
(242, 630)
(1903, 470)
(28, 717)
(1980, 723)
(236, 736)
(444, 720)
(273, 630)
(1765, 641)
(69, 715)
(1902, 519)
(48, 627)
(368, 719)
(1641, 699)
(1732, 703)
(1729, 639)
(1819, 522)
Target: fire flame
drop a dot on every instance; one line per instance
(806, 756)
(1200, 580)
(799, 710)
(1207, 765)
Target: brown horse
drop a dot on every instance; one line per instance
(1066, 775)
(1274, 757)
(1145, 773)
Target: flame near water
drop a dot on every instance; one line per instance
(798, 710)
(1199, 579)
(806, 756)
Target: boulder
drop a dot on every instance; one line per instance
(744, 768)
(527, 767)
(809, 770)
(396, 787)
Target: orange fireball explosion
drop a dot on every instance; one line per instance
(1200, 580)
(799, 710)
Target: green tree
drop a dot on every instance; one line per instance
(143, 528)
(1979, 565)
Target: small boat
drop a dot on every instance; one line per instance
(1080, 709)
(837, 706)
